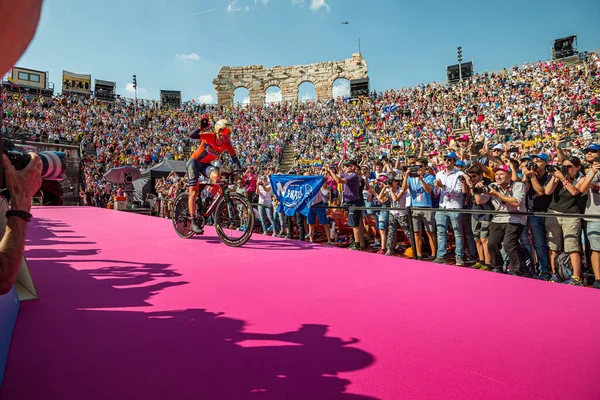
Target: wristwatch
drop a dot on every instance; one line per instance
(18, 213)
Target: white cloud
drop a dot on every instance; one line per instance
(265, 2)
(341, 88)
(234, 7)
(307, 97)
(187, 57)
(297, 2)
(273, 97)
(206, 99)
(316, 5)
(246, 100)
(129, 89)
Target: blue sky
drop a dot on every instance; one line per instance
(404, 42)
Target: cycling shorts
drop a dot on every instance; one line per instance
(195, 168)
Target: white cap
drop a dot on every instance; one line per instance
(498, 147)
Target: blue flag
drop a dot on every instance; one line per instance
(295, 193)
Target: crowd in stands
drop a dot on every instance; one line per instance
(430, 146)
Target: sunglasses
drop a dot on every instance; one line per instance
(449, 159)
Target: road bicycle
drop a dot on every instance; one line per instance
(232, 213)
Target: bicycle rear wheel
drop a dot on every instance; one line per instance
(234, 220)
(181, 216)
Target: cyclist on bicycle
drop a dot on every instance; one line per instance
(211, 147)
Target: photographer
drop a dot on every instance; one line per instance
(591, 185)
(421, 189)
(505, 230)
(379, 197)
(351, 193)
(535, 179)
(397, 219)
(564, 234)
(265, 204)
(480, 223)
(22, 185)
(450, 185)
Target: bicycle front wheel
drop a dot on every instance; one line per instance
(181, 216)
(234, 220)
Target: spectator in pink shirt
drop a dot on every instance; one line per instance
(250, 179)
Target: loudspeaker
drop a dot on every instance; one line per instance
(564, 47)
(453, 72)
(359, 87)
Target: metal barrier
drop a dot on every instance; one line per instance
(410, 211)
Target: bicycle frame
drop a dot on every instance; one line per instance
(215, 200)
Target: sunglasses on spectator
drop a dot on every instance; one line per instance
(473, 176)
(449, 159)
(569, 165)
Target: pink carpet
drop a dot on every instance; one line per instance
(128, 310)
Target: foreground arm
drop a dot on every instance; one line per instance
(22, 186)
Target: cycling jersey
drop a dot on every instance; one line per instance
(209, 150)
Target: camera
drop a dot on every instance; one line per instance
(485, 189)
(553, 168)
(413, 171)
(129, 179)
(53, 162)
(531, 165)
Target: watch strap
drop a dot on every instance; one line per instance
(19, 213)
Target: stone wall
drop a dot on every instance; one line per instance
(257, 79)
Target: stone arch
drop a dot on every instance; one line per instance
(301, 83)
(342, 87)
(273, 96)
(257, 79)
(236, 89)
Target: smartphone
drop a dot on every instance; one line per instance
(564, 145)
(476, 148)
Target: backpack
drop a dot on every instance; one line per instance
(563, 267)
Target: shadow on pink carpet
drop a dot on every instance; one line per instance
(129, 311)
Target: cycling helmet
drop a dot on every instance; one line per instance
(223, 127)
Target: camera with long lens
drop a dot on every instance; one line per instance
(484, 189)
(413, 171)
(53, 162)
(553, 168)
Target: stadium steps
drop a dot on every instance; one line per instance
(288, 157)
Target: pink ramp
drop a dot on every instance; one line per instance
(128, 310)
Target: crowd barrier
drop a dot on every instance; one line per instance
(411, 210)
